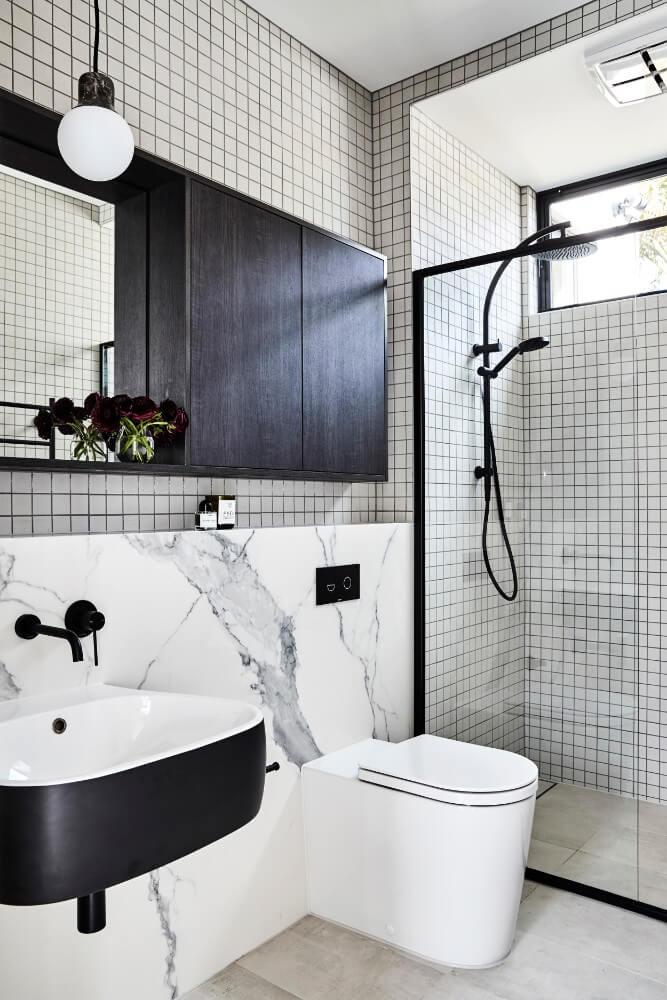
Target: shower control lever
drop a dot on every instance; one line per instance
(83, 618)
(494, 348)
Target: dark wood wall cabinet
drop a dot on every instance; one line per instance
(270, 331)
(274, 334)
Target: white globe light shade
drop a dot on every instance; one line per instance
(95, 142)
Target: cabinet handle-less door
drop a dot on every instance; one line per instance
(246, 391)
(344, 419)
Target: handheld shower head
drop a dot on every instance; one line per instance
(532, 344)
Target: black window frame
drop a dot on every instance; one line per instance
(545, 199)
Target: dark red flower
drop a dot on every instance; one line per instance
(105, 415)
(63, 410)
(65, 428)
(180, 421)
(124, 403)
(168, 409)
(80, 413)
(143, 408)
(90, 402)
(44, 424)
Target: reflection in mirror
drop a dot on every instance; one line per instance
(57, 273)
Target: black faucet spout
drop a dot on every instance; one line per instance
(30, 626)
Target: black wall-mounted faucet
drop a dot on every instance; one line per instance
(30, 626)
(84, 619)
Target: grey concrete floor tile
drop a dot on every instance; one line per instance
(545, 969)
(320, 961)
(547, 857)
(617, 844)
(567, 948)
(607, 933)
(653, 818)
(455, 987)
(235, 983)
(568, 816)
(601, 873)
(528, 887)
(653, 888)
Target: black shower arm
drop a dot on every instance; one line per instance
(562, 226)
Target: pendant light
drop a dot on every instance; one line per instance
(95, 141)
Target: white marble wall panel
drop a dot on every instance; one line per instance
(230, 614)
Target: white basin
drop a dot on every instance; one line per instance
(109, 729)
(101, 784)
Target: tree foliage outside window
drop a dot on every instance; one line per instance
(630, 264)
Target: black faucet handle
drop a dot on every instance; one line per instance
(27, 626)
(82, 618)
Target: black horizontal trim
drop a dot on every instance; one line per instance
(601, 895)
(557, 243)
(30, 464)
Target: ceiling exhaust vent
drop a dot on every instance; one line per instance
(632, 71)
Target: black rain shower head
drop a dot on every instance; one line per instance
(576, 251)
(532, 344)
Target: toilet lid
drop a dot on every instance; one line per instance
(449, 770)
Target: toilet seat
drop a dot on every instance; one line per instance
(449, 771)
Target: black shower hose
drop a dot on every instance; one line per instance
(492, 474)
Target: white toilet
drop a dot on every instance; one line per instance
(422, 844)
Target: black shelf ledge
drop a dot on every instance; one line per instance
(191, 471)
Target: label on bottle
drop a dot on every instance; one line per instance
(226, 513)
(207, 520)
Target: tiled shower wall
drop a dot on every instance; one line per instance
(56, 276)
(391, 193)
(594, 549)
(218, 88)
(462, 206)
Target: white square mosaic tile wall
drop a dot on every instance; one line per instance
(217, 87)
(391, 168)
(462, 206)
(56, 275)
(594, 547)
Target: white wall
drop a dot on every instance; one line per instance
(210, 613)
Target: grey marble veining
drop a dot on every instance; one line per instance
(219, 569)
(162, 906)
(229, 614)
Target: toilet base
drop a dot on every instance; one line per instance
(437, 880)
(416, 955)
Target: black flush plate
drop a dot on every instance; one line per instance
(336, 583)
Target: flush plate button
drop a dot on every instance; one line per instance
(337, 583)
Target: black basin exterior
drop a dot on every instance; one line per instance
(63, 841)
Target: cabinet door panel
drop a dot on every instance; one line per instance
(344, 421)
(246, 392)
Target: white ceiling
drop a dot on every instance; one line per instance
(377, 42)
(544, 123)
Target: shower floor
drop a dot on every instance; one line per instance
(603, 840)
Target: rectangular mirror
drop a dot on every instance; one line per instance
(57, 274)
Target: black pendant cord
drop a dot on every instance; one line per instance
(96, 38)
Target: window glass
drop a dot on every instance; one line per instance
(626, 265)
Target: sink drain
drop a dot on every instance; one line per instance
(59, 726)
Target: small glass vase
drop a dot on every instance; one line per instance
(135, 451)
(88, 447)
